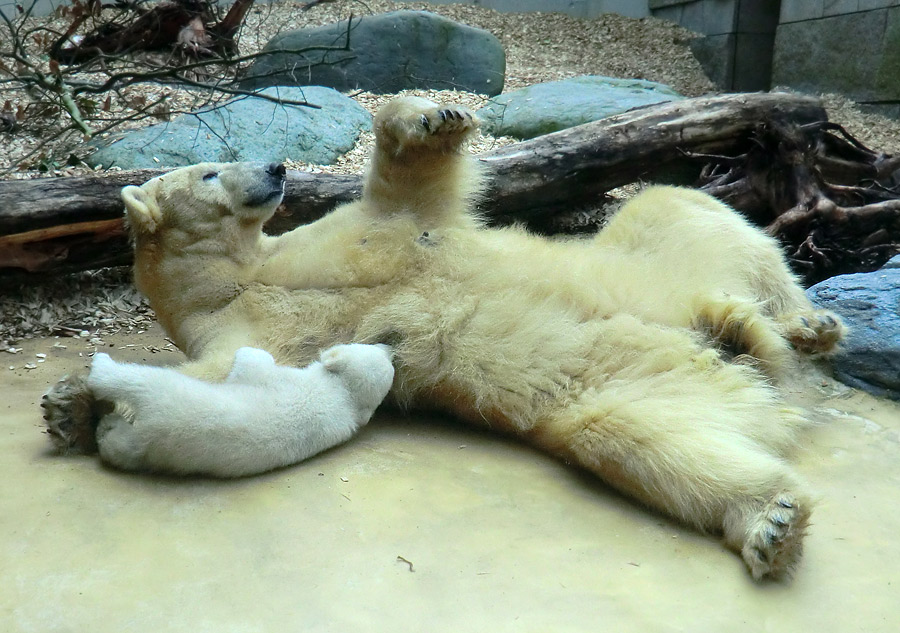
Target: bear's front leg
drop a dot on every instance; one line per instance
(418, 165)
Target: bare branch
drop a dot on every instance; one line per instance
(32, 63)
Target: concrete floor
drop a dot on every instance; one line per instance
(493, 536)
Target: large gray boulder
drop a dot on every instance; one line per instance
(245, 129)
(387, 53)
(558, 105)
(869, 303)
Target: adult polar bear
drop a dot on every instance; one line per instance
(607, 353)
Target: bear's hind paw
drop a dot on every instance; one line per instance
(774, 542)
(813, 332)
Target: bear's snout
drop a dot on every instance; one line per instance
(276, 173)
(267, 184)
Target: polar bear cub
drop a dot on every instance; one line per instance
(263, 416)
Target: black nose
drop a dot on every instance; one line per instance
(276, 169)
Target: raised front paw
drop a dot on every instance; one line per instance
(410, 122)
(448, 120)
(774, 541)
(71, 413)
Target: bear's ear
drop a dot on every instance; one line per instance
(335, 359)
(142, 209)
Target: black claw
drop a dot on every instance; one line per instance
(771, 536)
(443, 114)
(761, 555)
(778, 521)
(785, 504)
(804, 321)
(425, 123)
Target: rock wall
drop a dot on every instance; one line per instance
(740, 34)
(577, 8)
(851, 47)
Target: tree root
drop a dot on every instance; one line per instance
(833, 202)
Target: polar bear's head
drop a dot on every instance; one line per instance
(367, 372)
(205, 200)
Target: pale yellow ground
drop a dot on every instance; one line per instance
(498, 537)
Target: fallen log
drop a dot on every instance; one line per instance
(575, 166)
(76, 223)
(530, 181)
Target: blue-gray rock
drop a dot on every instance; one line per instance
(558, 105)
(387, 53)
(869, 303)
(894, 262)
(245, 129)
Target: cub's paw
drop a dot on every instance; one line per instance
(119, 444)
(71, 413)
(250, 365)
(103, 371)
(816, 331)
(774, 542)
(413, 122)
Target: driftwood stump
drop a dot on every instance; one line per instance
(833, 203)
(186, 24)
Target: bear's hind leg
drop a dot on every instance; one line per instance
(739, 328)
(72, 410)
(700, 447)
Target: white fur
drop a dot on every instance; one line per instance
(263, 416)
(612, 353)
